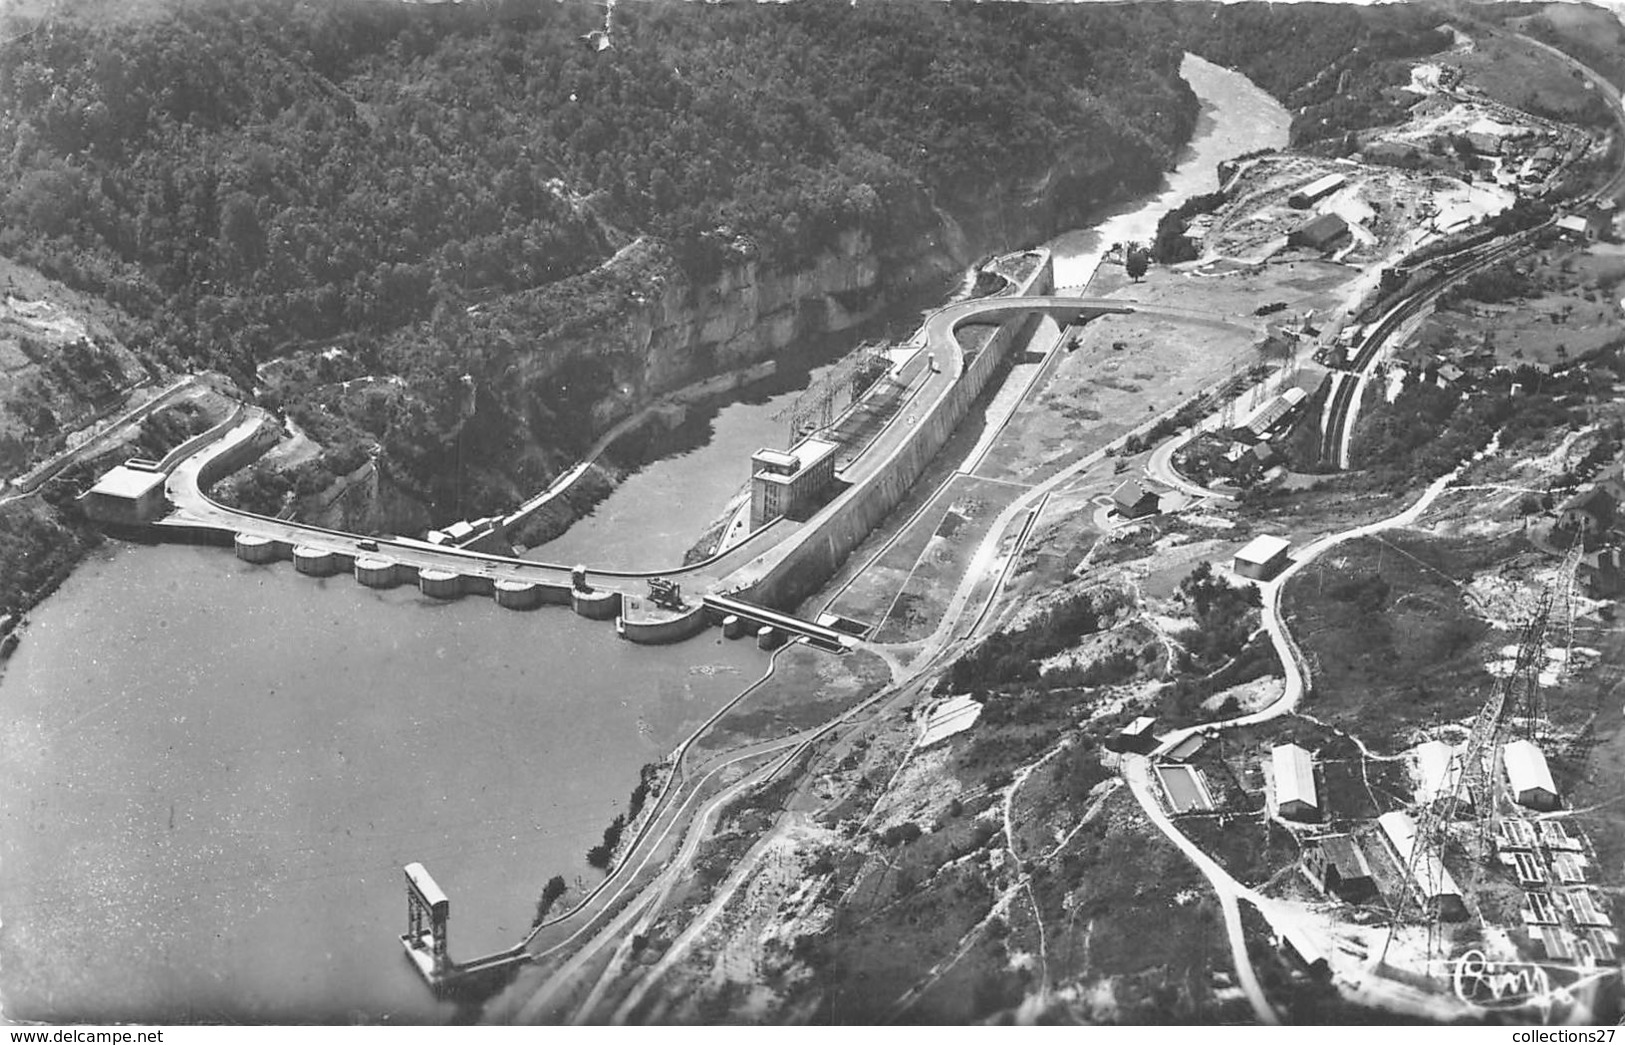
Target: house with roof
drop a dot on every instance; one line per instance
(1133, 501)
(1573, 227)
(1338, 867)
(1529, 779)
(1587, 515)
(129, 494)
(1601, 573)
(1136, 736)
(1296, 797)
(1260, 458)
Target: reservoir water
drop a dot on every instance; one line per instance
(212, 773)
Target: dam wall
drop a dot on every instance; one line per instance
(807, 560)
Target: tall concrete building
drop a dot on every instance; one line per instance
(792, 483)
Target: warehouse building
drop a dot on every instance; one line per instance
(1528, 777)
(1269, 417)
(1438, 889)
(1295, 794)
(1322, 233)
(1317, 190)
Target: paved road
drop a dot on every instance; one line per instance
(1136, 769)
(1296, 680)
(194, 508)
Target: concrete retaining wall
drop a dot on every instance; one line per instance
(191, 446)
(239, 456)
(811, 557)
(656, 632)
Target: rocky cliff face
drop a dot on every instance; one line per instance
(755, 311)
(676, 332)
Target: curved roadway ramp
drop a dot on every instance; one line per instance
(931, 375)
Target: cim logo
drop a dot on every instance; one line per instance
(1506, 985)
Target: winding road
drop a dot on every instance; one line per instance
(1295, 683)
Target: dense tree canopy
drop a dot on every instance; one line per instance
(439, 188)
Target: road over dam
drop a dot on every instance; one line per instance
(777, 565)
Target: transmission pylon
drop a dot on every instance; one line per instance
(1565, 579)
(1514, 699)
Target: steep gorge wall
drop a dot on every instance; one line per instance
(755, 311)
(675, 332)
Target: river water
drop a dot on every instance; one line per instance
(211, 773)
(653, 517)
(1236, 117)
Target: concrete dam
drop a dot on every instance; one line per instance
(848, 491)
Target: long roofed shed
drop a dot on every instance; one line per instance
(1295, 795)
(1435, 882)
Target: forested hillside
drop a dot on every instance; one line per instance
(438, 191)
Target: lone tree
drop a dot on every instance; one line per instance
(599, 855)
(1136, 260)
(550, 894)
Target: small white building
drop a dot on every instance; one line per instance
(1262, 557)
(1575, 227)
(1295, 795)
(1438, 771)
(1528, 777)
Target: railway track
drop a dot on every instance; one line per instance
(1334, 437)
